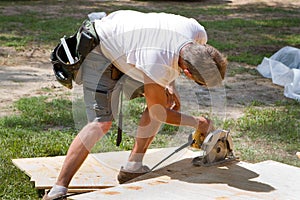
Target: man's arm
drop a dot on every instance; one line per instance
(157, 102)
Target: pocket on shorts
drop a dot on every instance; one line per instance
(103, 103)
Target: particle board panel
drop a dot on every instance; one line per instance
(44, 171)
(98, 171)
(267, 180)
(115, 160)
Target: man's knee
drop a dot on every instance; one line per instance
(93, 132)
(104, 126)
(98, 128)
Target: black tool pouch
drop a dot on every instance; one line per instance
(80, 45)
(87, 38)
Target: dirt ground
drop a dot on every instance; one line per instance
(28, 73)
(24, 74)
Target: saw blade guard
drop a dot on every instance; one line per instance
(217, 149)
(212, 139)
(218, 153)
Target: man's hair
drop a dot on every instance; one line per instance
(206, 64)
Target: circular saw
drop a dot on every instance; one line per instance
(217, 149)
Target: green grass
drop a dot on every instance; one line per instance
(268, 133)
(27, 28)
(253, 39)
(252, 30)
(273, 124)
(42, 128)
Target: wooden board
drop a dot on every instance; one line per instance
(44, 172)
(114, 160)
(267, 180)
(98, 171)
(177, 179)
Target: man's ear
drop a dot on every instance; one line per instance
(187, 73)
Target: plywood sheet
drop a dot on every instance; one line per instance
(44, 172)
(115, 160)
(236, 181)
(98, 171)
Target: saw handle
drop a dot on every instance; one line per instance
(198, 139)
(205, 125)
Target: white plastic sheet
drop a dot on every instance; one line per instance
(284, 69)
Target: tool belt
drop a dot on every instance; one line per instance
(70, 53)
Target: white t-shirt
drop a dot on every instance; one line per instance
(147, 43)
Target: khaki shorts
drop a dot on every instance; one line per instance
(101, 92)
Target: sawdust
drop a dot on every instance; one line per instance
(111, 193)
(158, 182)
(133, 187)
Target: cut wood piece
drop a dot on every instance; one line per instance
(181, 180)
(298, 154)
(44, 172)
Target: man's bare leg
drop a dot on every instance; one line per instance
(146, 132)
(76, 155)
(80, 148)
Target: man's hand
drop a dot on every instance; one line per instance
(205, 125)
